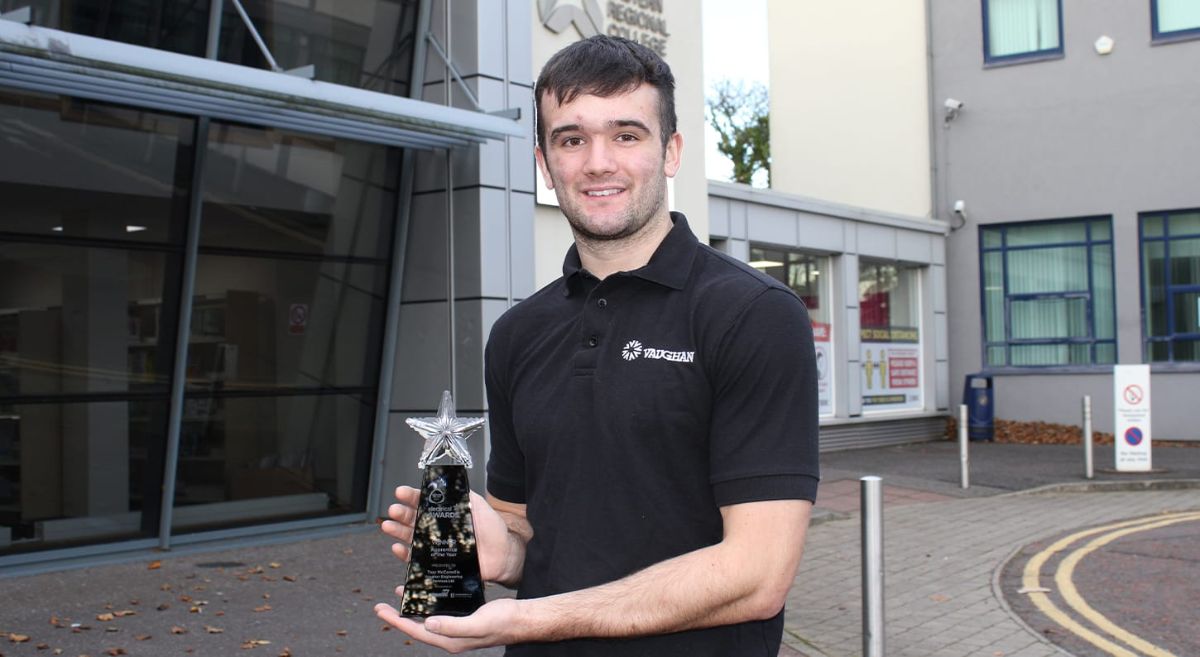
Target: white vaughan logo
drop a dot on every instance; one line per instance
(634, 350)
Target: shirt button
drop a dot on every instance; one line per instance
(603, 303)
(592, 341)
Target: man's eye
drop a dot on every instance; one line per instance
(625, 136)
(572, 141)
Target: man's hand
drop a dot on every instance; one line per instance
(491, 625)
(492, 540)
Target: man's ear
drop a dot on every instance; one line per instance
(540, 157)
(673, 156)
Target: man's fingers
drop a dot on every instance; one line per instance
(401, 551)
(403, 514)
(407, 495)
(398, 531)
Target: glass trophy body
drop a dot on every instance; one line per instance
(443, 567)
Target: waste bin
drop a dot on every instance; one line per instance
(981, 409)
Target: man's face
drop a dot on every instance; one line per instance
(605, 161)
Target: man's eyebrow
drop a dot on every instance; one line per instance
(574, 127)
(629, 123)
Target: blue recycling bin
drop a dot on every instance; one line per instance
(981, 407)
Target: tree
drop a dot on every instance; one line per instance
(741, 116)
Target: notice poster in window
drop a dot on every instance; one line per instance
(824, 347)
(891, 364)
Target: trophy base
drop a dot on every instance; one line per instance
(443, 569)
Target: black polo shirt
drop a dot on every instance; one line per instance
(625, 412)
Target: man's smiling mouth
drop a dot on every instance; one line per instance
(604, 192)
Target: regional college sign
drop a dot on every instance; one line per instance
(637, 20)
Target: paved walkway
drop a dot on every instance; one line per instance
(943, 549)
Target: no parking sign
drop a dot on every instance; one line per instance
(1131, 397)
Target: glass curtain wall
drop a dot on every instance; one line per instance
(91, 234)
(808, 276)
(289, 299)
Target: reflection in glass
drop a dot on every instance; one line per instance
(174, 25)
(275, 191)
(800, 271)
(302, 453)
(78, 472)
(358, 43)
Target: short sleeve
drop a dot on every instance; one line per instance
(764, 436)
(506, 462)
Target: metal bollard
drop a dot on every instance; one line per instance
(1087, 436)
(872, 566)
(964, 454)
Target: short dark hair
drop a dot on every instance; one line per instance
(605, 66)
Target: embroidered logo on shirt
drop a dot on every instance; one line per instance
(634, 349)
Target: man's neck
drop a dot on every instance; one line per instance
(602, 258)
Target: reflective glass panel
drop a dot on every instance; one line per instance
(285, 323)
(249, 459)
(274, 191)
(1040, 234)
(174, 25)
(79, 472)
(1049, 318)
(76, 169)
(358, 43)
(1184, 224)
(1154, 291)
(1057, 269)
(1017, 27)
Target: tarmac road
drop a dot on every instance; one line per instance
(1135, 586)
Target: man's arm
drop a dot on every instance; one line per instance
(744, 577)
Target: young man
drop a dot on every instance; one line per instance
(652, 412)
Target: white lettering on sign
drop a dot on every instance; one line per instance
(641, 21)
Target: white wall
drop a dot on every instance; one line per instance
(850, 102)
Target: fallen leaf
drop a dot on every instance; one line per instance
(42, 646)
(135, 602)
(244, 578)
(176, 629)
(104, 617)
(939, 597)
(163, 607)
(213, 630)
(194, 610)
(342, 632)
(289, 578)
(108, 606)
(185, 598)
(348, 551)
(58, 651)
(115, 651)
(55, 621)
(286, 652)
(255, 570)
(165, 587)
(275, 564)
(112, 629)
(266, 596)
(154, 565)
(220, 613)
(385, 628)
(124, 612)
(18, 638)
(358, 590)
(263, 608)
(143, 637)
(250, 644)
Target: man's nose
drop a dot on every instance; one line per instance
(599, 159)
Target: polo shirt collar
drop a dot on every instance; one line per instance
(670, 265)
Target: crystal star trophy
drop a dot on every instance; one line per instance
(443, 566)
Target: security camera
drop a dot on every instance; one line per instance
(960, 208)
(953, 105)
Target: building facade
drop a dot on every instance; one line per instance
(1067, 140)
(237, 251)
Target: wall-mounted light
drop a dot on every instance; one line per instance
(1104, 45)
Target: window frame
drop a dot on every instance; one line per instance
(1158, 36)
(1169, 290)
(1008, 298)
(1030, 56)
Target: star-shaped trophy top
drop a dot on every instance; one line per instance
(446, 434)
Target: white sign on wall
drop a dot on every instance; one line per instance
(1131, 404)
(824, 346)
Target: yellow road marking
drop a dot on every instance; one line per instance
(1069, 593)
(1031, 575)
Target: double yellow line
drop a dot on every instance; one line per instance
(1066, 587)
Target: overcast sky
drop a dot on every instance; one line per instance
(735, 48)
